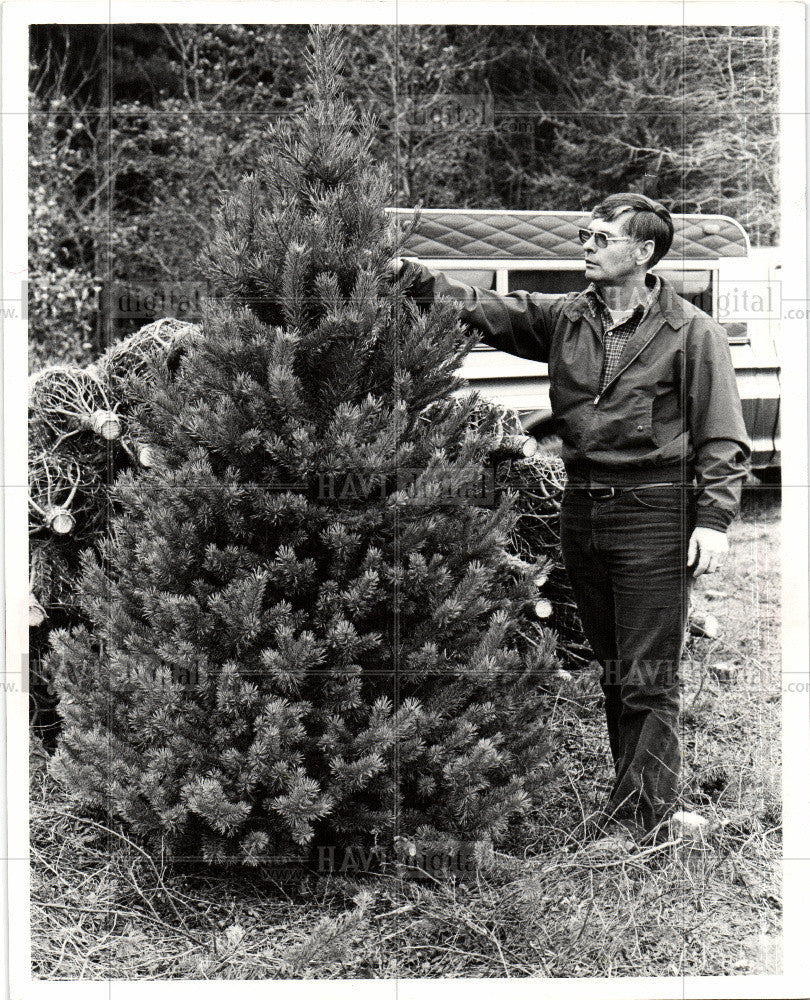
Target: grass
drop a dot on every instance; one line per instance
(544, 906)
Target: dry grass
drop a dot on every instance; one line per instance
(545, 906)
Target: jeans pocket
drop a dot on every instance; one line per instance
(660, 497)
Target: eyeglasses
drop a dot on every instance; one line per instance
(601, 239)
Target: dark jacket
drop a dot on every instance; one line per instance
(672, 411)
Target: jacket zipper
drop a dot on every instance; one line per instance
(643, 347)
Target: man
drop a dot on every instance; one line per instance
(645, 400)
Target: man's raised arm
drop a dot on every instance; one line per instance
(519, 323)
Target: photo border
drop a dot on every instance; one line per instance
(790, 18)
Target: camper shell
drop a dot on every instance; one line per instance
(710, 263)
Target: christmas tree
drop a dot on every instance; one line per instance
(307, 626)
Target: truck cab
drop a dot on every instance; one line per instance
(711, 264)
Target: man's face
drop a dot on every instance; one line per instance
(618, 260)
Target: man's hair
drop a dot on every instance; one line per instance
(646, 220)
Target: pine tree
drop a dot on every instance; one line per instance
(307, 625)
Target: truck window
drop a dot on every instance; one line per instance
(477, 276)
(548, 282)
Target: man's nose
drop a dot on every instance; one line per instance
(591, 239)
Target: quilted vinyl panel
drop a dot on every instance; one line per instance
(552, 235)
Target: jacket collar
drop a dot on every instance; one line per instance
(597, 303)
(666, 303)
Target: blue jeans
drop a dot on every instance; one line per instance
(626, 562)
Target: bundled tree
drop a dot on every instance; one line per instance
(307, 625)
(79, 436)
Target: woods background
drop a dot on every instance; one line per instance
(136, 129)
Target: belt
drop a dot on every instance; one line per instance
(599, 474)
(604, 492)
(597, 492)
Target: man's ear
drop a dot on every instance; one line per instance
(646, 250)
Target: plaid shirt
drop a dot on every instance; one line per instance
(615, 336)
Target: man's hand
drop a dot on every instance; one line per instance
(391, 268)
(707, 548)
(396, 263)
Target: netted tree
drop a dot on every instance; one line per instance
(307, 625)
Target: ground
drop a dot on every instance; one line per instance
(546, 905)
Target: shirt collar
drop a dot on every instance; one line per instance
(595, 301)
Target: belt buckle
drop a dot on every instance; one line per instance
(602, 492)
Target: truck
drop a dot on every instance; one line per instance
(711, 263)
